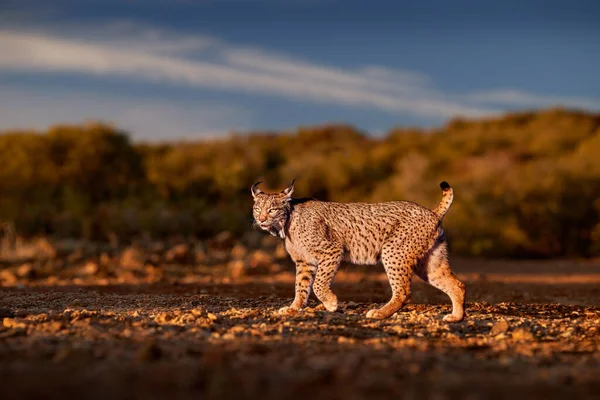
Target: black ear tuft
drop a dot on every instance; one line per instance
(255, 190)
(444, 185)
(289, 190)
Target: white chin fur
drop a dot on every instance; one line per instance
(276, 232)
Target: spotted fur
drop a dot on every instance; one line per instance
(404, 236)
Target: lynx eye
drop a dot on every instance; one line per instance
(272, 210)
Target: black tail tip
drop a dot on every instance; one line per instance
(445, 185)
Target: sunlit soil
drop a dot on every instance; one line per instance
(531, 330)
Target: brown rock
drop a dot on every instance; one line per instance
(90, 268)
(522, 335)
(55, 326)
(8, 277)
(180, 254)
(164, 318)
(212, 316)
(13, 323)
(26, 271)
(132, 258)
(499, 328)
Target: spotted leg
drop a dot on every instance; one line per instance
(305, 275)
(399, 255)
(329, 263)
(435, 269)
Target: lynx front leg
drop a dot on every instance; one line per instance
(305, 275)
(328, 266)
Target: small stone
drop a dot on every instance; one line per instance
(522, 334)
(26, 271)
(212, 316)
(8, 277)
(566, 334)
(132, 258)
(237, 329)
(90, 268)
(500, 327)
(13, 323)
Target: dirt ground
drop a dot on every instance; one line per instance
(532, 331)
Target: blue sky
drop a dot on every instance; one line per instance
(170, 69)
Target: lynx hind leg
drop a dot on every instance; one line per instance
(435, 269)
(398, 263)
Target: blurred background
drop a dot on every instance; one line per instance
(141, 125)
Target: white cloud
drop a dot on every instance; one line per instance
(145, 120)
(513, 97)
(231, 69)
(126, 49)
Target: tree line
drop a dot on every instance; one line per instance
(526, 184)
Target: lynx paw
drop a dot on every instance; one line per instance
(331, 304)
(375, 314)
(452, 318)
(288, 310)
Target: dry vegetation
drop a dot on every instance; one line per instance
(526, 184)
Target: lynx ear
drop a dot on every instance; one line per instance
(255, 190)
(289, 190)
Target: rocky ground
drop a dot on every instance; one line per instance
(193, 323)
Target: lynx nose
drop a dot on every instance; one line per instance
(262, 218)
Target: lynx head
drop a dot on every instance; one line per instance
(271, 210)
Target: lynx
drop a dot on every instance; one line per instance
(318, 235)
